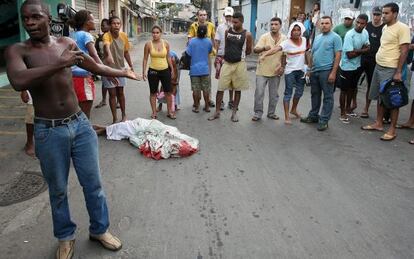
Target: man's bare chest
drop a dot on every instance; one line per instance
(43, 56)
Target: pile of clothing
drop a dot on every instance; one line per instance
(153, 138)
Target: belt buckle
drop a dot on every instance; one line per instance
(66, 120)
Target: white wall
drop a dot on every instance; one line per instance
(246, 11)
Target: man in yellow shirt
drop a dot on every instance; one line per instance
(202, 20)
(390, 59)
(269, 70)
(192, 33)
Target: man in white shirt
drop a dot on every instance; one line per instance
(219, 46)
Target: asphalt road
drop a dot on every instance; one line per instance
(255, 189)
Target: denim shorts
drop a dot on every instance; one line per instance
(296, 80)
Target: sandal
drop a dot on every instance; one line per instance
(254, 118)
(370, 128)
(153, 116)
(100, 105)
(196, 110)
(364, 115)
(388, 137)
(411, 142)
(273, 117)
(171, 116)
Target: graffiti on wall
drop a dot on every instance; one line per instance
(337, 8)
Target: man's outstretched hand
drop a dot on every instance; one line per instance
(132, 75)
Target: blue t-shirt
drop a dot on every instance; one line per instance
(199, 50)
(323, 51)
(82, 38)
(353, 40)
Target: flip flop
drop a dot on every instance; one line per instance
(254, 118)
(370, 128)
(411, 142)
(297, 115)
(364, 115)
(206, 110)
(153, 117)
(388, 137)
(400, 126)
(215, 116)
(195, 110)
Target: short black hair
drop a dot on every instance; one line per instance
(44, 6)
(238, 16)
(363, 17)
(327, 17)
(276, 19)
(394, 7)
(104, 20)
(201, 10)
(201, 31)
(113, 18)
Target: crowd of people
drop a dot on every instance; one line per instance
(311, 51)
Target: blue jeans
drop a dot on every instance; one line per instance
(296, 80)
(319, 85)
(55, 146)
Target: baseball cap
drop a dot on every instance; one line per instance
(349, 15)
(228, 11)
(376, 10)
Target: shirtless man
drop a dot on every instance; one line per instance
(42, 65)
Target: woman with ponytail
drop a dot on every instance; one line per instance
(83, 23)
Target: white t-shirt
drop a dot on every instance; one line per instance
(220, 34)
(295, 55)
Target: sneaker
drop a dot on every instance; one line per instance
(107, 240)
(322, 126)
(211, 104)
(352, 114)
(65, 249)
(309, 120)
(344, 120)
(222, 106)
(230, 105)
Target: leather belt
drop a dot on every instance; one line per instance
(57, 122)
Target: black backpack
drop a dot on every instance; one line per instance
(393, 94)
(185, 61)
